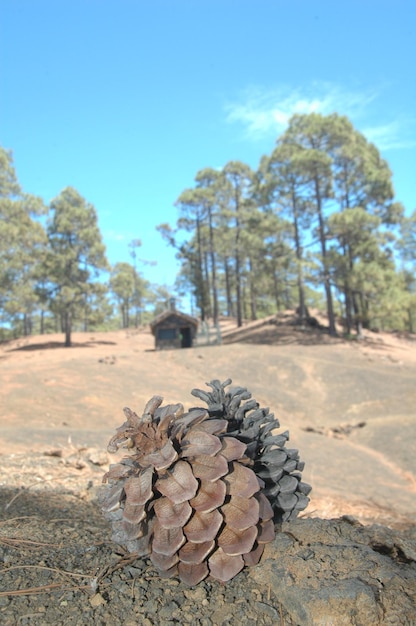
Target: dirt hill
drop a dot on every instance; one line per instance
(349, 406)
(350, 410)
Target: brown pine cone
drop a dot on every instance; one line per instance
(188, 495)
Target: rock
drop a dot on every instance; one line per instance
(339, 572)
(97, 457)
(55, 452)
(97, 600)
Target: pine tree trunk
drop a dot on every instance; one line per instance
(207, 287)
(238, 295)
(230, 305)
(68, 327)
(327, 283)
(253, 292)
(213, 270)
(410, 321)
(200, 276)
(348, 308)
(276, 290)
(298, 249)
(244, 314)
(238, 273)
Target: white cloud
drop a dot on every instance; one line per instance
(388, 136)
(112, 235)
(265, 113)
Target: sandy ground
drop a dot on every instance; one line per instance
(349, 407)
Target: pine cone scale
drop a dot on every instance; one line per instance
(241, 481)
(192, 574)
(209, 468)
(236, 542)
(167, 541)
(178, 484)
(198, 442)
(210, 496)
(223, 567)
(138, 489)
(203, 526)
(171, 515)
(195, 553)
(241, 513)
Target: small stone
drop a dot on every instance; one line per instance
(98, 457)
(197, 594)
(268, 609)
(57, 453)
(97, 600)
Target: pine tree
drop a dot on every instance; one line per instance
(282, 189)
(311, 141)
(22, 244)
(76, 255)
(239, 179)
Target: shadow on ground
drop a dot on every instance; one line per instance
(51, 345)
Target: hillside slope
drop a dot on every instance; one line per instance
(350, 407)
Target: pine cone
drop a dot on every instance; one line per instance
(279, 467)
(198, 493)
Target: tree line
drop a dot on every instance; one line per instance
(315, 225)
(54, 273)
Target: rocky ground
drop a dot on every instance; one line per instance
(349, 407)
(59, 566)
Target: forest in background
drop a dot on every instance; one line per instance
(316, 225)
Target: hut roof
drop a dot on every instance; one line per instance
(162, 317)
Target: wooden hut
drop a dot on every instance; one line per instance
(173, 329)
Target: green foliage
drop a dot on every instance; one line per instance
(75, 257)
(130, 292)
(346, 187)
(317, 222)
(407, 242)
(52, 279)
(318, 217)
(22, 246)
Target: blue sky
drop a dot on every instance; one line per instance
(126, 100)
